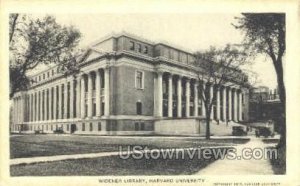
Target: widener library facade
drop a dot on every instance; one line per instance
(127, 85)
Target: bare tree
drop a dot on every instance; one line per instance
(35, 41)
(220, 67)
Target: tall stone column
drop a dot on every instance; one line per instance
(224, 104)
(71, 104)
(196, 99)
(202, 101)
(35, 114)
(26, 108)
(170, 97)
(82, 100)
(78, 97)
(34, 106)
(240, 106)
(98, 93)
(90, 94)
(211, 101)
(60, 102)
(45, 105)
(19, 110)
(229, 104)
(41, 105)
(54, 102)
(188, 98)
(65, 101)
(50, 104)
(106, 91)
(179, 96)
(235, 105)
(30, 107)
(14, 111)
(218, 104)
(159, 94)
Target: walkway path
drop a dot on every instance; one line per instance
(40, 159)
(242, 166)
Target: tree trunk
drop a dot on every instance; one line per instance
(282, 96)
(207, 124)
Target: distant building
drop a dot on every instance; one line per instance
(127, 85)
(264, 105)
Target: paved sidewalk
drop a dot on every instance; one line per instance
(242, 166)
(41, 159)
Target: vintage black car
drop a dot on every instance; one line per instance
(238, 131)
(58, 131)
(263, 131)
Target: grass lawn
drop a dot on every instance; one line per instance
(113, 165)
(22, 146)
(279, 163)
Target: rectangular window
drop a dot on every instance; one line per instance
(52, 72)
(146, 50)
(68, 125)
(142, 126)
(99, 126)
(139, 46)
(136, 126)
(48, 74)
(138, 108)
(139, 80)
(91, 126)
(131, 45)
(94, 109)
(43, 76)
(139, 126)
(83, 126)
(102, 108)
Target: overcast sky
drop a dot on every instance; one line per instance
(188, 31)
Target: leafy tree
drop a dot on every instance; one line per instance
(265, 34)
(35, 41)
(219, 67)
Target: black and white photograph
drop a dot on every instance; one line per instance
(177, 95)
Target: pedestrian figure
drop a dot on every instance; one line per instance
(256, 133)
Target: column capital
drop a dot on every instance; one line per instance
(90, 73)
(159, 72)
(106, 67)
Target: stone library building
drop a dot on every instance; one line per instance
(127, 85)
